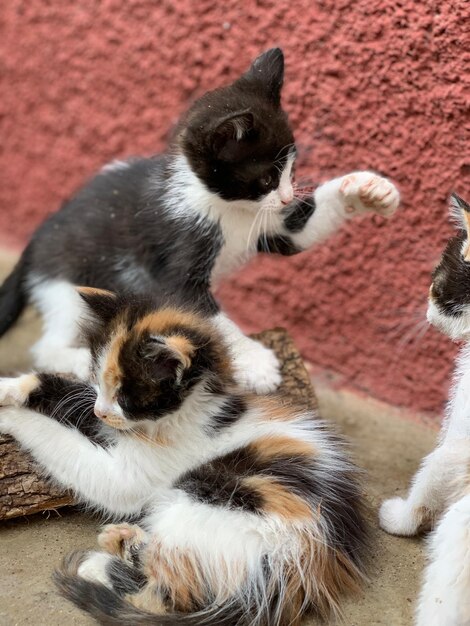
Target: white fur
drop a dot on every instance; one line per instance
(93, 568)
(342, 198)
(256, 367)
(116, 165)
(61, 308)
(444, 598)
(445, 595)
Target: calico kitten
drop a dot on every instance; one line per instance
(441, 488)
(177, 223)
(250, 511)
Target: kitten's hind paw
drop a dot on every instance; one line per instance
(257, 368)
(397, 517)
(121, 539)
(16, 391)
(365, 191)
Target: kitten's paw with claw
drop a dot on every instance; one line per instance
(257, 368)
(398, 518)
(15, 391)
(121, 539)
(365, 191)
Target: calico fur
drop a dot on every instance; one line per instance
(439, 494)
(175, 224)
(250, 510)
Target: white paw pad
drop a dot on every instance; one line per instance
(257, 368)
(365, 191)
(398, 518)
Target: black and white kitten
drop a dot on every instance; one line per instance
(250, 511)
(178, 222)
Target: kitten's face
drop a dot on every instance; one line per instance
(449, 295)
(238, 141)
(147, 362)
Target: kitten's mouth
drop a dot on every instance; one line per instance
(115, 421)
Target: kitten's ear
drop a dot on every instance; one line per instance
(268, 69)
(460, 211)
(169, 356)
(229, 132)
(102, 303)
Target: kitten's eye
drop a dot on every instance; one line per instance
(266, 181)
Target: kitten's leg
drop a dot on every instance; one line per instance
(256, 367)
(444, 599)
(61, 308)
(309, 222)
(427, 495)
(100, 474)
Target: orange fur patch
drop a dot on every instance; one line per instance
(277, 409)
(159, 322)
(112, 372)
(179, 574)
(183, 348)
(26, 385)
(278, 500)
(280, 445)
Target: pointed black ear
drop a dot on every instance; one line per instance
(229, 132)
(102, 303)
(268, 68)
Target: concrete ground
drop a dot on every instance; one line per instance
(385, 444)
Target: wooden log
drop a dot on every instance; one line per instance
(23, 491)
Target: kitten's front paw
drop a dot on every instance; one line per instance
(365, 191)
(398, 518)
(15, 391)
(121, 539)
(257, 368)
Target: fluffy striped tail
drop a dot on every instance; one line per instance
(109, 606)
(445, 595)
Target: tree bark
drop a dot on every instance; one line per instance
(24, 491)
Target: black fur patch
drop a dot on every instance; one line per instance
(231, 411)
(278, 244)
(70, 402)
(124, 577)
(298, 213)
(213, 484)
(451, 279)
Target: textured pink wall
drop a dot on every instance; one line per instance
(370, 84)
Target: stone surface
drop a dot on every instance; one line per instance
(368, 85)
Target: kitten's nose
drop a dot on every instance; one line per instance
(101, 409)
(286, 195)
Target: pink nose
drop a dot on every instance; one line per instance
(286, 195)
(101, 410)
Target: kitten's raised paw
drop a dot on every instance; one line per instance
(15, 391)
(257, 368)
(119, 539)
(365, 191)
(398, 518)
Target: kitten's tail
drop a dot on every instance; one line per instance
(111, 608)
(12, 297)
(445, 597)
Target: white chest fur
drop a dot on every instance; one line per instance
(242, 221)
